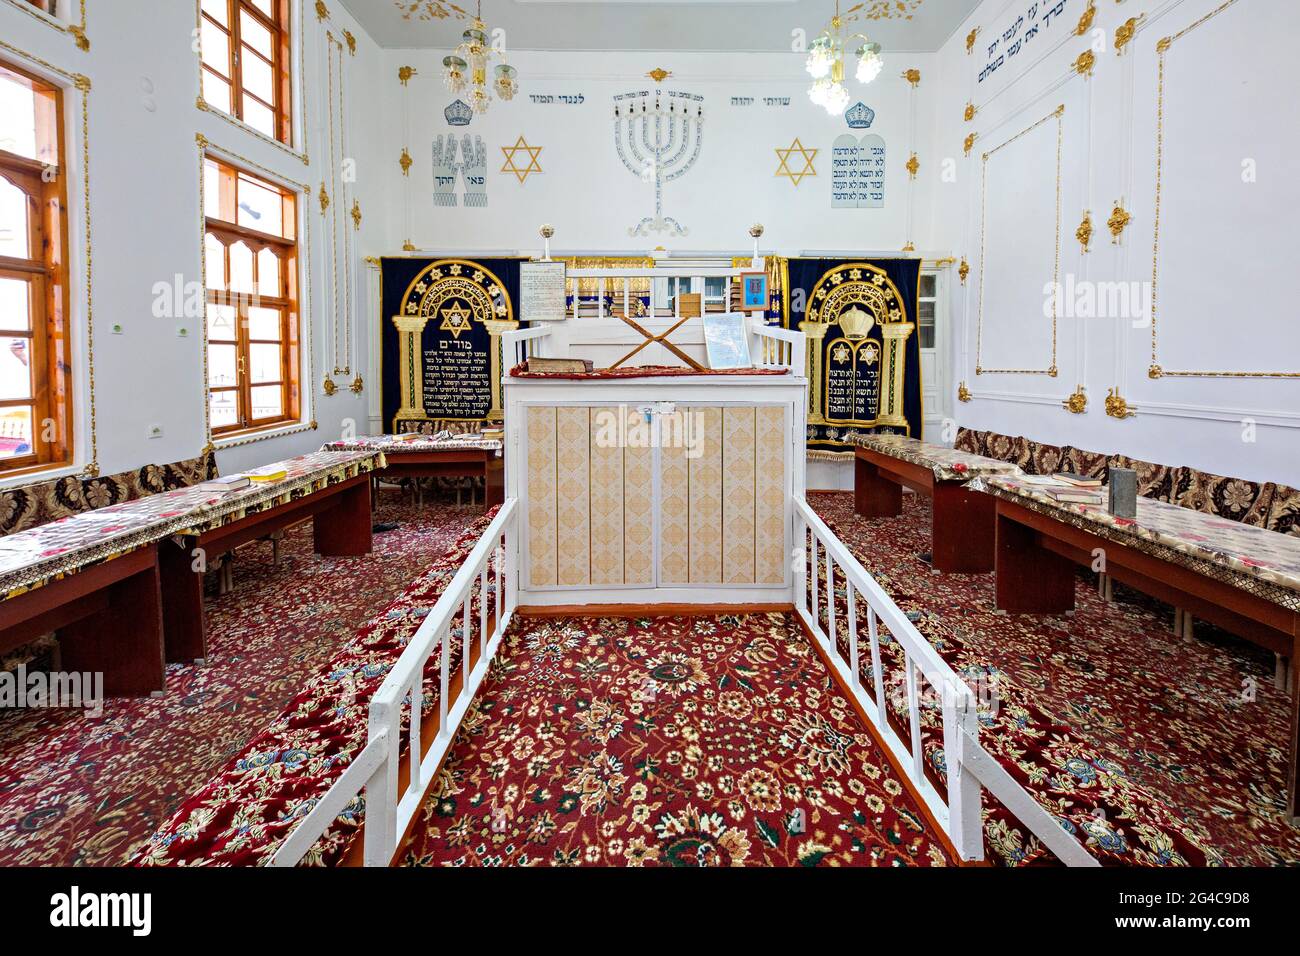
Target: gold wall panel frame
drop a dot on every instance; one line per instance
(1058, 114)
(1156, 370)
(76, 30)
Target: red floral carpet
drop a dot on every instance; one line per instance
(671, 742)
(1155, 751)
(76, 790)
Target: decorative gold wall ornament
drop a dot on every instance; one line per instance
(351, 42)
(963, 270)
(1084, 232)
(356, 214)
(409, 246)
(913, 164)
(324, 198)
(963, 393)
(1155, 371)
(357, 385)
(1077, 403)
(970, 40)
(322, 11)
(404, 74)
(969, 112)
(796, 176)
(909, 246)
(511, 165)
(659, 74)
(374, 262)
(79, 37)
(328, 385)
(405, 161)
(1085, 62)
(969, 142)
(1119, 218)
(1125, 32)
(1085, 21)
(1117, 406)
(913, 76)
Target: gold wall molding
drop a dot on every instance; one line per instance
(1125, 32)
(913, 164)
(969, 143)
(963, 393)
(337, 145)
(405, 161)
(969, 112)
(963, 270)
(356, 214)
(913, 76)
(1077, 402)
(1118, 221)
(1085, 20)
(1057, 114)
(970, 40)
(75, 29)
(1084, 63)
(1156, 370)
(1117, 406)
(1084, 232)
(404, 74)
(82, 85)
(351, 41)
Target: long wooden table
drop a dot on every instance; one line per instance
(425, 456)
(123, 584)
(962, 528)
(1242, 578)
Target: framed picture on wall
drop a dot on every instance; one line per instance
(753, 291)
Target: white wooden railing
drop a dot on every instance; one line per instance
(375, 770)
(775, 347)
(518, 344)
(827, 563)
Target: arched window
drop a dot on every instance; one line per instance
(35, 362)
(251, 258)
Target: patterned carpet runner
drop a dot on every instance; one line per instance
(714, 741)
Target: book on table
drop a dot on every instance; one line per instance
(1079, 481)
(1077, 496)
(227, 483)
(535, 364)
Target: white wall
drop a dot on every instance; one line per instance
(145, 216)
(591, 199)
(1224, 241)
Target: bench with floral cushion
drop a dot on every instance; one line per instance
(1269, 505)
(30, 506)
(452, 426)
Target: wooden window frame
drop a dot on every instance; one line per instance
(46, 271)
(226, 230)
(280, 64)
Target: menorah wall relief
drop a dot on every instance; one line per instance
(658, 143)
(473, 168)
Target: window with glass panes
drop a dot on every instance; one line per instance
(926, 301)
(35, 360)
(246, 62)
(251, 255)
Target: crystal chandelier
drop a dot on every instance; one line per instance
(826, 65)
(467, 68)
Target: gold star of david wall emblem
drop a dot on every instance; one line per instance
(806, 155)
(513, 158)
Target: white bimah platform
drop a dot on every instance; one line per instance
(630, 488)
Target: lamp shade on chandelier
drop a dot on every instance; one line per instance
(466, 69)
(825, 65)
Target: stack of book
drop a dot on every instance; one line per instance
(1079, 489)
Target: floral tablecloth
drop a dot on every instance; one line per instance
(947, 464)
(413, 442)
(1261, 562)
(32, 558)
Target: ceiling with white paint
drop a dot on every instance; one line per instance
(739, 25)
